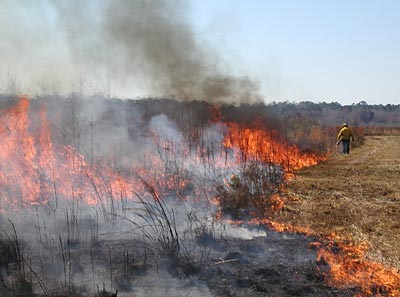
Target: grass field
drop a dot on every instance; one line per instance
(356, 196)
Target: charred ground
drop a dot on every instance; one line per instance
(148, 249)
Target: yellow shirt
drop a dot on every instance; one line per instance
(345, 134)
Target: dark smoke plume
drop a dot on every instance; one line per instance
(147, 44)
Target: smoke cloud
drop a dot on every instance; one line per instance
(123, 48)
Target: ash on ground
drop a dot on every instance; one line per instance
(255, 263)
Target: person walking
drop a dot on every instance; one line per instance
(344, 136)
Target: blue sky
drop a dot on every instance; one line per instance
(296, 50)
(344, 51)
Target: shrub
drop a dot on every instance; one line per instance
(253, 191)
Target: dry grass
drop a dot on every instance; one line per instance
(356, 196)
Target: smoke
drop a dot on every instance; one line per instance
(163, 284)
(91, 244)
(120, 47)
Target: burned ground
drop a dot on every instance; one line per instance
(277, 264)
(269, 264)
(128, 198)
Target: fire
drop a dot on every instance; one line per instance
(34, 170)
(263, 145)
(347, 263)
(18, 148)
(350, 269)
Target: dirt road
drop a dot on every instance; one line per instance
(355, 195)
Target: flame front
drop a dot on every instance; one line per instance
(35, 170)
(18, 154)
(349, 269)
(264, 145)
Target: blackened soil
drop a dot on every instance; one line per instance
(271, 264)
(279, 264)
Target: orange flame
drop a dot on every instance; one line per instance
(33, 170)
(263, 145)
(350, 269)
(347, 263)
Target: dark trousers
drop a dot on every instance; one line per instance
(346, 146)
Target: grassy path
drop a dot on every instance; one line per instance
(355, 195)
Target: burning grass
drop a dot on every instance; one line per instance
(343, 264)
(267, 146)
(95, 218)
(348, 268)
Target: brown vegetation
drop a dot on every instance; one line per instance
(168, 220)
(356, 196)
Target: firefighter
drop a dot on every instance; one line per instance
(344, 136)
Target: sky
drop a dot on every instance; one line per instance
(344, 51)
(288, 50)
